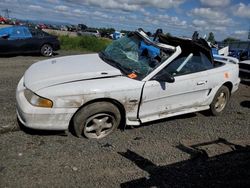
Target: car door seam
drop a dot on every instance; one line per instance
(140, 102)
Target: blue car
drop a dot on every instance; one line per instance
(22, 39)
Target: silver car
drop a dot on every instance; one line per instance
(89, 32)
(133, 81)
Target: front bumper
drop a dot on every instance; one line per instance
(38, 117)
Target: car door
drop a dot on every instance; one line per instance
(190, 89)
(20, 37)
(29, 43)
(7, 44)
(38, 38)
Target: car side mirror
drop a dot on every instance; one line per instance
(164, 77)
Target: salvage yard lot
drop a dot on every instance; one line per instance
(151, 155)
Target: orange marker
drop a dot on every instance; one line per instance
(226, 75)
(132, 75)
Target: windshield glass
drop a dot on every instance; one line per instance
(133, 56)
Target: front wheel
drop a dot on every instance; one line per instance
(220, 101)
(47, 50)
(96, 120)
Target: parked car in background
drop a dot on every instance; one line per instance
(117, 35)
(81, 27)
(244, 65)
(56, 27)
(42, 26)
(64, 28)
(134, 79)
(244, 70)
(72, 28)
(3, 20)
(14, 21)
(22, 39)
(89, 32)
(235, 53)
(244, 55)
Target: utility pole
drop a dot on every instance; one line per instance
(7, 13)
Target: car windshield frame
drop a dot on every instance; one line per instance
(128, 55)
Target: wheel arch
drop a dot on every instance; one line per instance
(108, 100)
(47, 42)
(229, 85)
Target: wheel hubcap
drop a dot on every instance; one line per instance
(221, 102)
(99, 125)
(47, 51)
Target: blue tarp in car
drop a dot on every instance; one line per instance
(151, 50)
(16, 32)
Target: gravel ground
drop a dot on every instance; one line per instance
(158, 154)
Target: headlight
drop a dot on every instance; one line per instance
(36, 100)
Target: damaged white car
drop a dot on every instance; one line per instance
(133, 81)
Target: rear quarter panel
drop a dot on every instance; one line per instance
(226, 73)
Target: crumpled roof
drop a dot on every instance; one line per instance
(187, 45)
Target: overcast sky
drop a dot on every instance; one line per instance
(179, 17)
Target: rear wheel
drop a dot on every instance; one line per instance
(220, 101)
(47, 50)
(96, 120)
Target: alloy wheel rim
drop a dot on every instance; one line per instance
(47, 50)
(99, 125)
(221, 102)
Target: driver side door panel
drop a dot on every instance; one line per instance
(7, 46)
(161, 99)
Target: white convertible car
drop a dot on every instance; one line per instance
(133, 81)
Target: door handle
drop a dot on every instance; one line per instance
(201, 83)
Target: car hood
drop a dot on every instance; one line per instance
(67, 69)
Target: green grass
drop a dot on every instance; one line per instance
(83, 43)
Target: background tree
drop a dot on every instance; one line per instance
(211, 38)
(168, 34)
(230, 40)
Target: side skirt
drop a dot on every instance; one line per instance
(166, 115)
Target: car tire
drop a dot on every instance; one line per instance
(46, 50)
(96, 120)
(220, 101)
